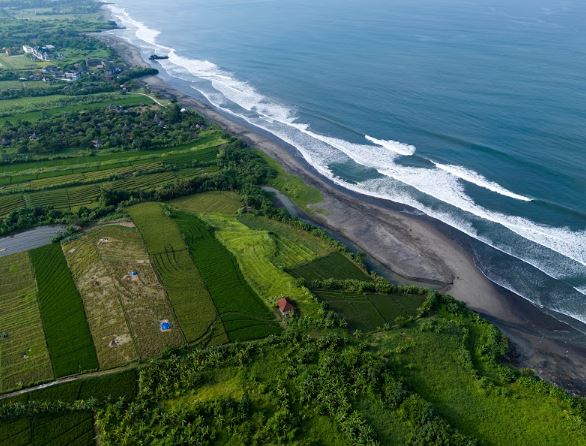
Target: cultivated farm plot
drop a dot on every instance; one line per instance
(72, 429)
(333, 266)
(66, 329)
(226, 203)
(370, 311)
(294, 246)
(124, 314)
(18, 62)
(177, 273)
(10, 203)
(243, 313)
(255, 251)
(20, 85)
(24, 358)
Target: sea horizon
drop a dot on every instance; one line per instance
(461, 170)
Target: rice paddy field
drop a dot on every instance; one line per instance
(333, 266)
(24, 358)
(294, 246)
(367, 312)
(66, 329)
(178, 274)
(60, 183)
(124, 314)
(226, 203)
(20, 85)
(255, 250)
(75, 428)
(243, 313)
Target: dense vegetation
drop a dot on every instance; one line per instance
(110, 127)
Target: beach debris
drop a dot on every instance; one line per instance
(165, 325)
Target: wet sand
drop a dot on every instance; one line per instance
(410, 248)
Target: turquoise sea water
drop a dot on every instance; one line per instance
(472, 112)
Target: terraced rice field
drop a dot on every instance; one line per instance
(177, 273)
(294, 246)
(24, 358)
(10, 203)
(64, 321)
(255, 251)
(124, 315)
(226, 203)
(243, 313)
(333, 266)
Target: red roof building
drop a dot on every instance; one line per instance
(286, 307)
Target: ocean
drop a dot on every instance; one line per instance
(471, 112)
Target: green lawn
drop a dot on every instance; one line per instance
(68, 336)
(333, 266)
(243, 313)
(254, 251)
(177, 273)
(24, 358)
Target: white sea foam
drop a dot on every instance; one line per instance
(443, 182)
(477, 179)
(393, 146)
(142, 31)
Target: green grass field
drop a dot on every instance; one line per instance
(305, 197)
(333, 266)
(431, 363)
(367, 312)
(182, 281)
(254, 251)
(66, 329)
(226, 203)
(243, 313)
(24, 358)
(19, 62)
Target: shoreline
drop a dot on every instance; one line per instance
(410, 248)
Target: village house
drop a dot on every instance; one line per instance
(286, 307)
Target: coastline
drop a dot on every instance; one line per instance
(411, 249)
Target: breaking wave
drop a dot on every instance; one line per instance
(393, 146)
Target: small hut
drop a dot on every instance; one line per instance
(286, 307)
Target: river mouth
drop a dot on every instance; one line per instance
(27, 240)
